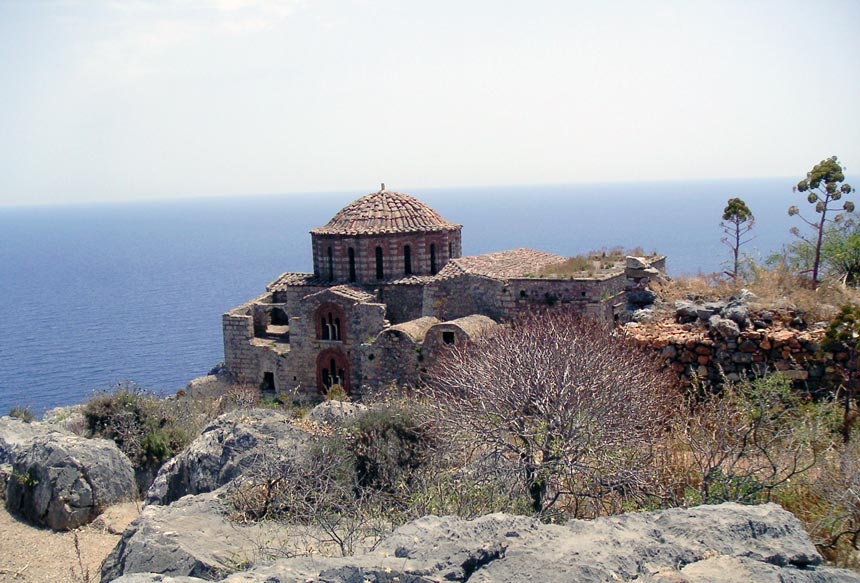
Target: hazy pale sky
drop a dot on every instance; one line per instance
(139, 99)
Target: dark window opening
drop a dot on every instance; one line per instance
(330, 327)
(448, 337)
(432, 259)
(522, 293)
(370, 357)
(450, 250)
(380, 273)
(330, 265)
(332, 375)
(407, 260)
(279, 317)
(351, 264)
(268, 384)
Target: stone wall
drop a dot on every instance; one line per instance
(238, 327)
(698, 353)
(403, 302)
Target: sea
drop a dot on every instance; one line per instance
(100, 294)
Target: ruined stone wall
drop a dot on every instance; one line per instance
(392, 358)
(695, 353)
(403, 302)
(457, 297)
(238, 329)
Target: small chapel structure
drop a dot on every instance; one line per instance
(390, 291)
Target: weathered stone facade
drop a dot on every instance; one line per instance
(389, 293)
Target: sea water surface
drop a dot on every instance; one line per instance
(93, 295)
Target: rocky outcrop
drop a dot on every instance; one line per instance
(708, 544)
(193, 536)
(63, 481)
(223, 450)
(16, 436)
(335, 412)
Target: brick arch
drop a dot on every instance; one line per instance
(330, 323)
(326, 375)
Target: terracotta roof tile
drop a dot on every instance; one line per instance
(286, 280)
(503, 265)
(385, 212)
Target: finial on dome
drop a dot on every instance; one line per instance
(383, 187)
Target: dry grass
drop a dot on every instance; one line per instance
(777, 290)
(587, 264)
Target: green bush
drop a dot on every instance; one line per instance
(387, 445)
(25, 414)
(147, 428)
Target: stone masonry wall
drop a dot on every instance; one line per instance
(238, 328)
(694, 352)
(403, 302)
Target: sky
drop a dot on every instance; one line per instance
(114, 100)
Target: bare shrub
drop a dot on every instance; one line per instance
(745, 443)
(573, 406)
(828, 502)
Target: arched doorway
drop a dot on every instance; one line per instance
(332, 369)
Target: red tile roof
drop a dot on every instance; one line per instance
(512, 264)
(385, 212)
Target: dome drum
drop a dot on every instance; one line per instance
(384, 236)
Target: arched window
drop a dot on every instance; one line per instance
(332, 369)
(330, 265)
(329, 318)
(380, 273)
(407, 260)
(432, 258)
(351, 264)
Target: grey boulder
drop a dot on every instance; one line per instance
(225, 449)
(16, 436)
(335, 412)
(65, 481)
(708, 544)
(724, 327)
(191, 537)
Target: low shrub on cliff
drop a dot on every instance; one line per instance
(24, 414)
(147, 428)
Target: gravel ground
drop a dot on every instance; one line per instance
(35, 555)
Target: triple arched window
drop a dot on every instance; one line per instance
(329, 322)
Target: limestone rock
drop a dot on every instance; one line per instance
(644, 315)
(223, 450)
(708, 309)
(16, 436)
(191, 537)
(729, 542)
(335, 412)
(156, 578)
(686, 311)
(641, 297)
(724, 327)
(65, 481)
(207, 387)
(69, 418)
(739, 314)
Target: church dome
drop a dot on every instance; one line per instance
(385, 212)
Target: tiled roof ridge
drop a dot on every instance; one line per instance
(383, 212)
(502, 265)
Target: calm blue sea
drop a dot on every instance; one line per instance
(97, 294)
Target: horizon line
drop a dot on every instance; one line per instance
(300, 193)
